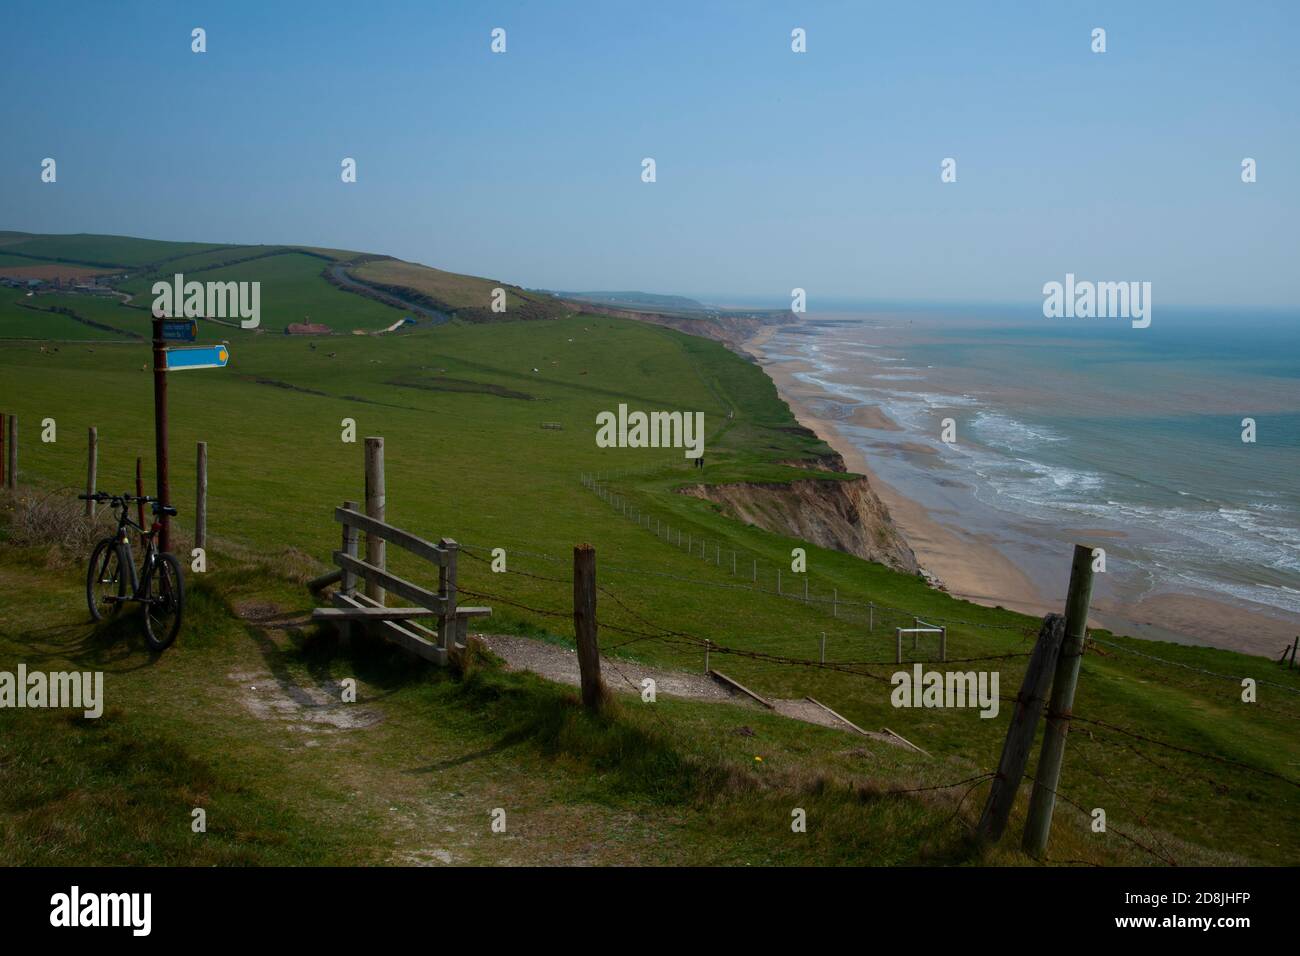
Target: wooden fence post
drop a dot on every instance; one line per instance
(447, 624)
(1024, 724)
(11, 468)
(92, 466)
(1042, 800)
(348, 580)
(835, 602)
(376, 550)
(584, 626)
(4, 459)
(201, 505)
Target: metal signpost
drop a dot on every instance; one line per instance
(180, 330)
(171, 359)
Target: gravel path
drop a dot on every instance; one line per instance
(560, 664)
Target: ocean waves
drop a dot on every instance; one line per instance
(1184, 509)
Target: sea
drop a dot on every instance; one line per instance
(1064, 426)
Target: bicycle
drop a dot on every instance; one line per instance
(159, 586)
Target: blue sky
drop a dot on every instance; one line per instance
(775, 169)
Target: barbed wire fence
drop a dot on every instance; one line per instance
(633, 627)
(884, 616)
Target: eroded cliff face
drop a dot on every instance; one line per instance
(844, 514)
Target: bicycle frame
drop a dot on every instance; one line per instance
(124, 524)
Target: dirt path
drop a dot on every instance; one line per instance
(560, 664)
(433, 787)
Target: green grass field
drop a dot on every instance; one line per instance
(1210, 779)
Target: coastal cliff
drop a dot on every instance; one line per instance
(841, 514)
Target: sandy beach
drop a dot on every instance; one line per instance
(971, 566)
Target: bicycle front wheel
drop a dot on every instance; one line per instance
(106, 579)
(164, 599)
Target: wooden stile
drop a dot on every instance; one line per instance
(353, 606)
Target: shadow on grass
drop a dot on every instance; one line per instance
(115, 645)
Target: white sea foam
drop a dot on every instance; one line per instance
(1003, 431)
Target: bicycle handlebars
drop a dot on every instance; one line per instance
(116, 500)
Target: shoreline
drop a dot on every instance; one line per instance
(973, 568)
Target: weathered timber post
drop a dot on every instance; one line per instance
(376, 551)
(201, 504)
(1042, 800)
(347, 579)
(92, 466)
(823, 647)
(4, 473)
(898, 645)
(447, 588)
(1024, 724)
(871, 616)
(584, 626)
(778, 580)
(943, 642)
(835, 602)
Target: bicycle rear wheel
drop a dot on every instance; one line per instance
(106, 579)
(164, 600)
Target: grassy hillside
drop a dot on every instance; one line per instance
(460, 406)
(469, 298)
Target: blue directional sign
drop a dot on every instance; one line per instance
(179, 330)
(200, 356)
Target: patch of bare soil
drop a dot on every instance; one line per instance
(305, 709)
